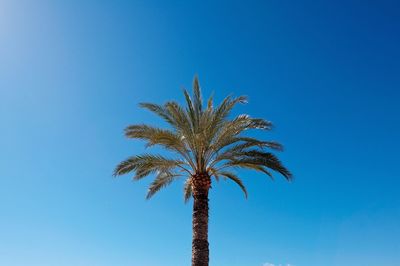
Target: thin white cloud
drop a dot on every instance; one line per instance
(272, 264)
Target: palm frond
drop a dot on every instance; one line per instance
(146, 164)
(221, 113)
(269, 160)
(231, 129)
(187, 189)
(155, 136)
(235, 179)
(159, 110)
(162, 180)
(213, 172)
(265, 159)
(246, 164)
(182, 120)
(190, 110)
(251, 142)
(237, 150)
(198, 101)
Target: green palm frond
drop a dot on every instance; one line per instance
(269, 160)
(231, 129)
(251, 143)
(162, 180)
(213, 172)
(184, 123)
(190, 110)
(161, 111)
(235, 179)
(236, 150)
(187, 189)
(198, 101)
(246, 165)
(154, 136)
(221, 113)
(260, 158)
(146, 164)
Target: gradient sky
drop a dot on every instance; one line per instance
(72, 73)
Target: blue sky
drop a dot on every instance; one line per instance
(73, 72)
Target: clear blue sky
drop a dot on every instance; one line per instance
(72, 73)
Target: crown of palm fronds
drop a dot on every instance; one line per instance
(204, 140)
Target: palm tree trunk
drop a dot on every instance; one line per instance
(200, 251)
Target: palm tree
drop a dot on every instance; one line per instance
(204, 143)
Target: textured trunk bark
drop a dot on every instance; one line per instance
(200, 251)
